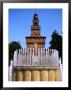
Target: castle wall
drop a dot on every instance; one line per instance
(38, 45)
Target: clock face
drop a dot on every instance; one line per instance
(35, 32)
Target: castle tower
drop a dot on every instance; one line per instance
(35, 39)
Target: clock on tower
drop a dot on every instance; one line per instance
(35, 35)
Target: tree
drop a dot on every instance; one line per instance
(12, 47)
(56, 42)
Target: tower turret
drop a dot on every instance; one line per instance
(35, 35)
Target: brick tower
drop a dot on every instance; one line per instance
(35, 39)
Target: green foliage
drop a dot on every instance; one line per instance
(12, 47)
(56, 42)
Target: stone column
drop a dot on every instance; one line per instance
(51, 75)
(58, 75)
(35, 75)
(19, 75)
(44, 75)
(14, 76)
(27, 75)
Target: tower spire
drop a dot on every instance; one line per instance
(35, 40)
(35, 27)
(35, 20)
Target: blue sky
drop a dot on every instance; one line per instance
(20, 22)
